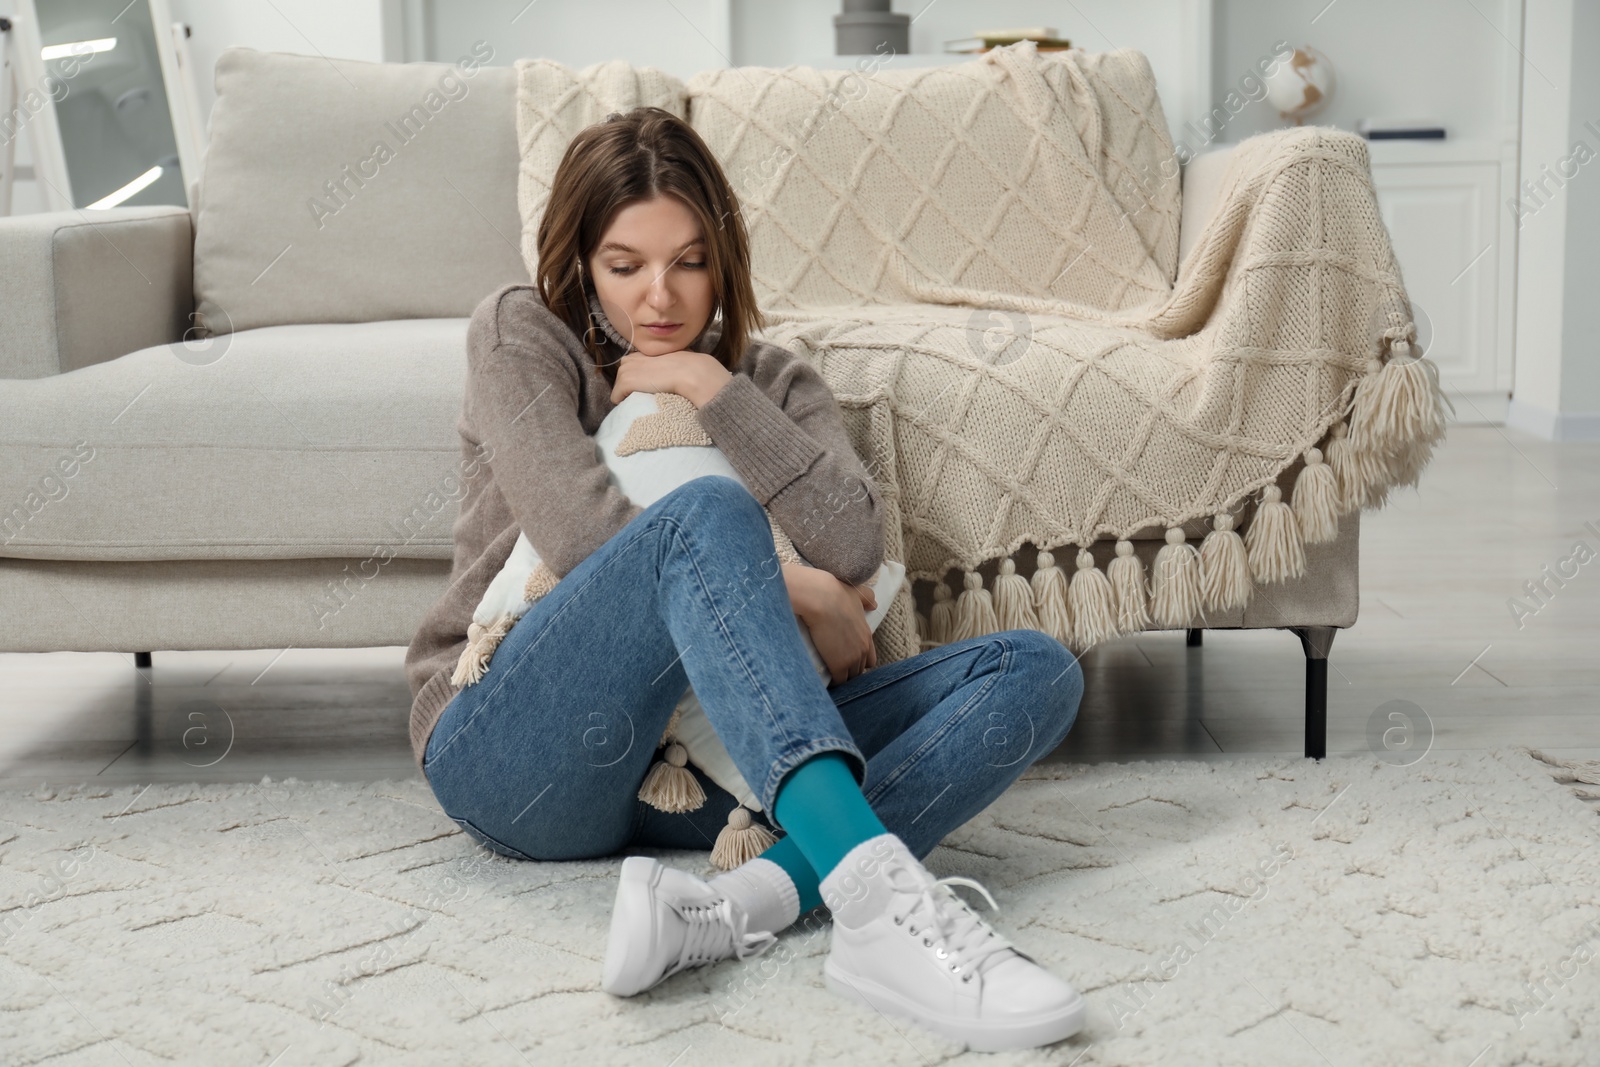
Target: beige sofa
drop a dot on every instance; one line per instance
(236, 427)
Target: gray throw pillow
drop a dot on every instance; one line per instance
(337, 190)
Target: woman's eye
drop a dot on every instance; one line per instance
(629, 270)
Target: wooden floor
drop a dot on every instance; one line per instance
(1438, 566)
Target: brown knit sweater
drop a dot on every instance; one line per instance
(533, 399)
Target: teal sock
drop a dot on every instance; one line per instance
(787, 854)
(821, 808)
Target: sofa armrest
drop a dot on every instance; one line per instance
(82, 287)
(1202, 181)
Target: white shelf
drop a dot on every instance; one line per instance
(885, 61)
(1464, 150)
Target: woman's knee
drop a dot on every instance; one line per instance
(722, 503)
(717, 491)
(1049, 675)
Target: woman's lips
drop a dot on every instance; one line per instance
(663, 330)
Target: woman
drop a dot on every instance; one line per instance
(644, 285)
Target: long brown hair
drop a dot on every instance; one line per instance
(630, 157)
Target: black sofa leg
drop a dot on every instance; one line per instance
(1316, 641)
(141, 659)
(1192, 638)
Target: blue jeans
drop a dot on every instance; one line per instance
(543, 757)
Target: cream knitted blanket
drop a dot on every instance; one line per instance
(981, 260)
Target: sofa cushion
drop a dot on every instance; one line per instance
(949, 184)
(291, 442)
(346, 191)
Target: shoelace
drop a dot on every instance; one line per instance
(961, 932)
(714, 929)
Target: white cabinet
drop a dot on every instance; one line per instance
(1456, 243)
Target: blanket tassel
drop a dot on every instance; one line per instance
(1094, 617)
(1316, 500)
(1013, 599)
(670, 786)
(1351, 492)
(974, 609)
(1126, 573)
(1049, 585)
(1398, 403)
(741, 841)
(1224, 570)
(1272, 543)
(1415, 411)
(1175, 585)
(942, 623)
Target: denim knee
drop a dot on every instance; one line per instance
(719, 490)
(1056, 680)
(722, 497)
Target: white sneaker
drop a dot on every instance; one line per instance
(905, 944)
(666, 920)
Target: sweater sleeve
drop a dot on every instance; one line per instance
(522, 392)
(799, 463)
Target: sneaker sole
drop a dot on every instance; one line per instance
(975, 1034)
(629, 914)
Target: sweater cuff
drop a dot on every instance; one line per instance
(759, 438)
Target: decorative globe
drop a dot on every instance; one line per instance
(1300, 87)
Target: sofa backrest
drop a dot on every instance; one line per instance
(348, 191)
(554, 102)
(949, 183)
(337, 190)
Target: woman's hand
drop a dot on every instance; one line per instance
(834, 613)
(696, 376)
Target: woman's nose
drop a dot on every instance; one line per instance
(660, 294)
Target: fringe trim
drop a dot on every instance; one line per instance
(1049, 585)
(1225, 581)
(1091, 601)
(1175, 585)
(1316, 500)
(974, 609)
(1272, 543)
(1128, 586)
(942, 624)
(741, 841)
(1013, 599)
(481, 643)
(671, 786)
(1396, 416)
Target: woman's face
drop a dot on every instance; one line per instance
(650, 267)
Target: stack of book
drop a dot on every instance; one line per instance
(982, 40)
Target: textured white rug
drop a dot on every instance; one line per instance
(1257, 911)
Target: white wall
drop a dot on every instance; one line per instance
(680, 36)
(1558, 274)
(1391, 58)
(348, 29)
(686, 36)
(1580, 362)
